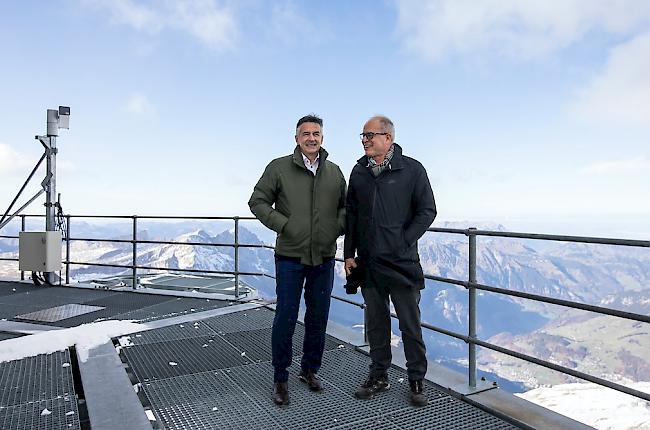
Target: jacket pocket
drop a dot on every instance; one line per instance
(328, 233)
(390, 240)
(294, 235)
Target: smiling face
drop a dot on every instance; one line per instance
(378, 146)
(309, 137)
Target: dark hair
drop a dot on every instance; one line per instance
(310, 118)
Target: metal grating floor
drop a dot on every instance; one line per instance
(181, 357)
(214, 373)
(38, 393)
(172, 308)
(54, 296)
(52, 414)
(212, 385)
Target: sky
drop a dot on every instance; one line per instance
(526, 113)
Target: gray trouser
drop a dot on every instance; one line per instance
(406, 301)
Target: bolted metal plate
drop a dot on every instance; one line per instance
(51, 414)
(32, 379)
(10, 311)
(59, 313)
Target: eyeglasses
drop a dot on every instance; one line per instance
(370, 135)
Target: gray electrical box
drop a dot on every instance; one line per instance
(39, 251)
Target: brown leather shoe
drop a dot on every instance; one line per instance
(281, 393)
(310, 378)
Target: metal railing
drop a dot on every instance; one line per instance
(470, 284)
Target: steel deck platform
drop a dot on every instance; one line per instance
(201, 364)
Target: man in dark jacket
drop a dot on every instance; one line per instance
(389, 206)
(302, 198)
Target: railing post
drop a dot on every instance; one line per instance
(236, 257)
(22, 228)
(135, 251)
(472, 307)
(67, 249)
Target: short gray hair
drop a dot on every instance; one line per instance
(386, 124)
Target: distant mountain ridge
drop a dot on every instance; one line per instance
(616, 277)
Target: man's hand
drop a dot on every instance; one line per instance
(349, 265)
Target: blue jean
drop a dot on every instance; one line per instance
(291, 277)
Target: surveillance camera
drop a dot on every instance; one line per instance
(64, 117)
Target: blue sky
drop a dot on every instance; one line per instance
(520, 111)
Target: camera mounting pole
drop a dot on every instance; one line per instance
(56, 119)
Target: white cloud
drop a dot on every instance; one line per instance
(524, 30)
(133, 14)
(12, 161)
(139, 104)
(212, 25)
(630, 165)
(621, 93)
(205, 20)
(287, 22)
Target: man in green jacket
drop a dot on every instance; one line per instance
(302, 198)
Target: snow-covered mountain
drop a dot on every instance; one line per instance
(597, 406)
(612, 276)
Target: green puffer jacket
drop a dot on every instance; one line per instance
(309, 212)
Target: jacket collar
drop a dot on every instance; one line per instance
(397, 162)
(297, 156)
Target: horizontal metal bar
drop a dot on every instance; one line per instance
(567, 303)
(565, 370)
(447, 230)
(8, 237)
(447, 280)
(8, 259)
(540, 362)
(168, 242)
(445, 331)
(217, 218)
(563, 238)
(130, 266)
(539, 236)
(351, 302)
(160, 242)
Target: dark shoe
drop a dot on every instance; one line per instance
(371, 386)
(310, 378)
(281, 393)
(418, 398)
